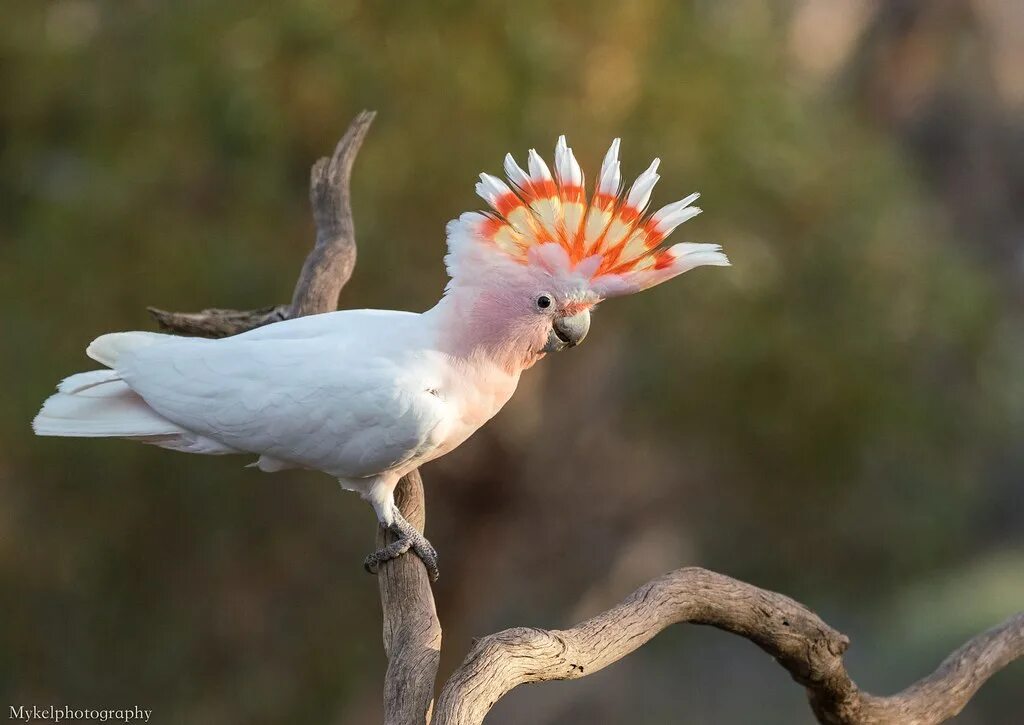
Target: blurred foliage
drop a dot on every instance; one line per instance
(838, 416)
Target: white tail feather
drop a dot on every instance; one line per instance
(92, 408)
(108, 348)
(99, 404)
(80, 382)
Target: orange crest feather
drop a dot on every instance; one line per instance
(611, 240)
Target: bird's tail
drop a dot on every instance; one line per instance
(98, 403)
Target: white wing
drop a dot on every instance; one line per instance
(366, 327)
(337, 403)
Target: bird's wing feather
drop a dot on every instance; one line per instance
(365, 326)
(321, 403)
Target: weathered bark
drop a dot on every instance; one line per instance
(809, 649)
(412, 632)
(215, 322)
(329, 266)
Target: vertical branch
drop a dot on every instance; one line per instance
(412, 632)
(329, 266)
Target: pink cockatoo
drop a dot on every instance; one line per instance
(367, 396)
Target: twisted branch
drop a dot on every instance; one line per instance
(808, 648)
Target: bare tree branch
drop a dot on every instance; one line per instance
(809, 649)
(216, 322)
(412, 633)
(328, 266)
(934, 699)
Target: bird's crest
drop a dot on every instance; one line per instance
(609, 243)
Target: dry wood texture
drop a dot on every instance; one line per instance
(808, 648)
(412, 632)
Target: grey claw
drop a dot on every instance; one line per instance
(407, 538)
(428, 555)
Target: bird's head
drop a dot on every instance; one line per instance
(545, 254)
(551, 312)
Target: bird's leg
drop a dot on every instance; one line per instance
(407, 537)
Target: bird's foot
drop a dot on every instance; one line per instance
(407, 537)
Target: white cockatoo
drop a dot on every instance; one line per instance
(367, 396)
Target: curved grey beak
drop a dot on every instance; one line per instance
(568, 331)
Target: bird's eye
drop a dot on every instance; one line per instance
(543, 302)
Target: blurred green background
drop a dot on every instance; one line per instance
(839, 416)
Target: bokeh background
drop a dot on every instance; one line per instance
(839, 416)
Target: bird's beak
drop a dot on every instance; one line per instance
(568, 331)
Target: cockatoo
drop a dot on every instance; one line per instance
(368, 396)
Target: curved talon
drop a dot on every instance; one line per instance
(428, 555)
(407, 538)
